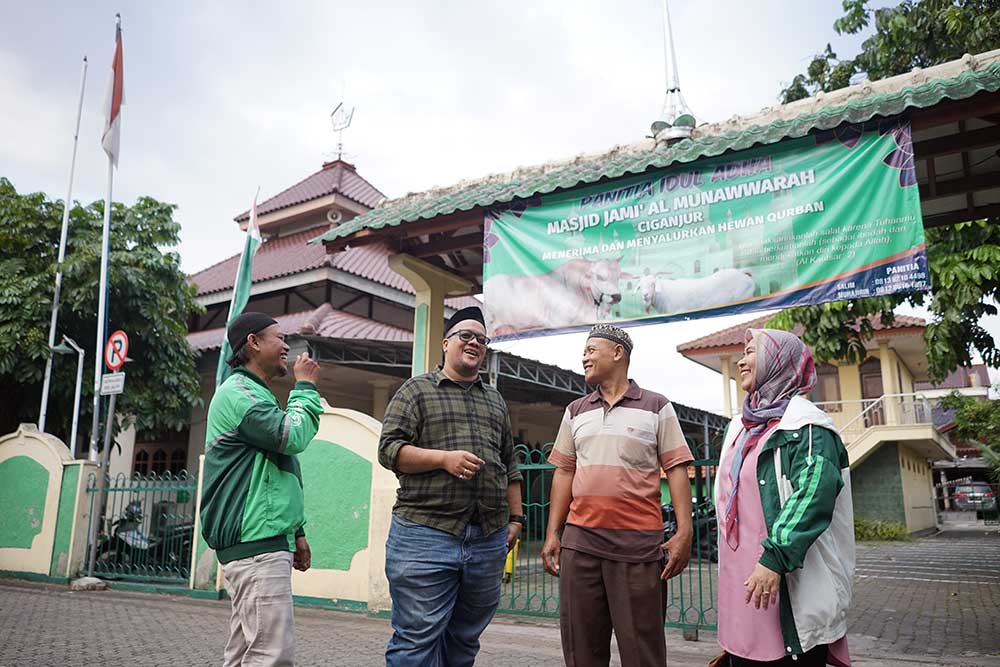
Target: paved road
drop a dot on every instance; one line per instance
(934, 596)
(932, 602)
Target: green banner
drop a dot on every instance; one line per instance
(831, 216)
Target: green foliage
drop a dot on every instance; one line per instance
(149, 298)
(869, 530)
(978, 422)
(964, 260)
(914, 33)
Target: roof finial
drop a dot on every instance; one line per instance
(340, 119)
(676, 120)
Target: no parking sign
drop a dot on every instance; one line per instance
(116, 350)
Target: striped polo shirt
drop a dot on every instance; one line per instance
(616, 453)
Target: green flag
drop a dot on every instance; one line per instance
(241, 291)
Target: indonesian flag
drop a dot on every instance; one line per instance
(113, 101)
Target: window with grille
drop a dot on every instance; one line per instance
(166, 453)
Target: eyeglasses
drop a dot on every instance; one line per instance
(466, 336)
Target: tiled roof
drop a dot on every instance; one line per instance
(337, 177)
(955, 80)
(961, 378)
(733, 336)
(324, 321)
(291, 254)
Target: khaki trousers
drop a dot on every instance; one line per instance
(262, 629)
(598, 595)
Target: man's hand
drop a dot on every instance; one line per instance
(303, 556)
(513, 532)
(762, 586)
(461, 464)
(305, 369)
(678, 551)
(551, 551)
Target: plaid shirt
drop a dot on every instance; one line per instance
(434, 412)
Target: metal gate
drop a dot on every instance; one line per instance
(529, 590)
(147, 526)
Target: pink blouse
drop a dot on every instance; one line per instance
(746, 632)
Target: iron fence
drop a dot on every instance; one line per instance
(147, 527)
(691, 596)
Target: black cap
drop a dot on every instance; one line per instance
(244, 325)
(469, 313)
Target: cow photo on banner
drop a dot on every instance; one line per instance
(830, 216)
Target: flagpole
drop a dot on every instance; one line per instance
(102, 291)
(67, 205)
(109, 141)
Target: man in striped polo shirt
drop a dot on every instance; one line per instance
(611, 561)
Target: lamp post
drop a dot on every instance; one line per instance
(69, 346)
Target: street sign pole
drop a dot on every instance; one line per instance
(115, 355)
(98, 510)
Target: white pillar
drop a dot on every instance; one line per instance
(432, 285)
(889, 384)
(727, 390)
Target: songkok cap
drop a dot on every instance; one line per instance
(469, 313)
(246, 324)
(612, 333)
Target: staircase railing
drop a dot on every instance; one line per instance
(886, 410)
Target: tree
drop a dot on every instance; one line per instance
(914, 33)
(978, 422)
(964, 259)
(149, 298)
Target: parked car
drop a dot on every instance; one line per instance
(974, 496)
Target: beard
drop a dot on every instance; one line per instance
(282, 370)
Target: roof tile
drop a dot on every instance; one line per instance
(288, 255)
(337, 177)
(733, 336)
(324, 321)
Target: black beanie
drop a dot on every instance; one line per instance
(469, 313)
(244, 325)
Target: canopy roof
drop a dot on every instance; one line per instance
(954, 109)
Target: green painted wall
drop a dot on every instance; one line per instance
(64, 520)
(23, 485)
(337, 485)
(420, 325)
(877, 486)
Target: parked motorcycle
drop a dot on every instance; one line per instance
(705, 544)
(127, 549)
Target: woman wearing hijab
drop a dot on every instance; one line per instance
(786, 522)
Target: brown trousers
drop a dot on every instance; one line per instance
(598, 595)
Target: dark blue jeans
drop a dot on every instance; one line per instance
(444, 589)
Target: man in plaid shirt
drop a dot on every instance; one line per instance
(447, 436)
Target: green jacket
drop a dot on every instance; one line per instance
(252, 499)
(805, 490)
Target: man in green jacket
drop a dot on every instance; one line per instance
(251, 507)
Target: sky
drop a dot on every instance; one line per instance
(223, 97)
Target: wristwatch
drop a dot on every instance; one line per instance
(518, 518)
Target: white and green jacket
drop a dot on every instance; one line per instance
(252, 500)
(805, 490)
